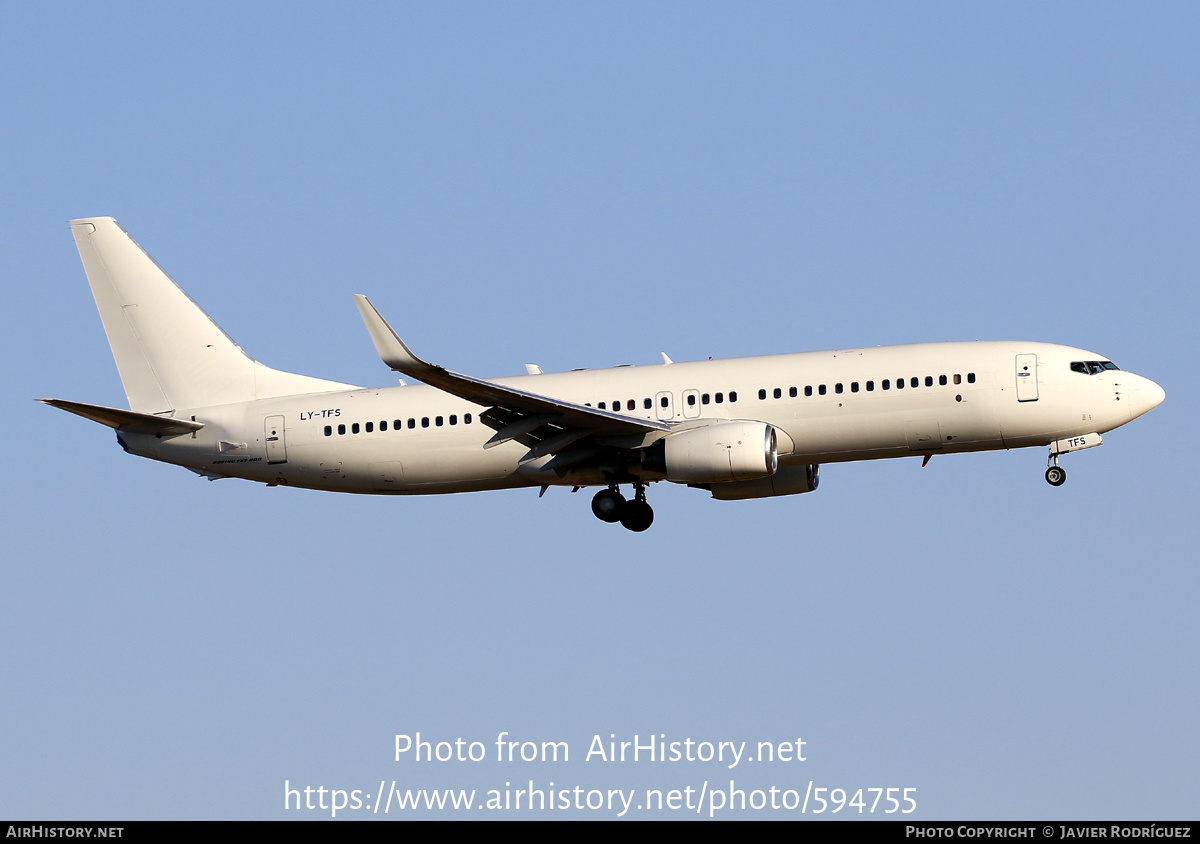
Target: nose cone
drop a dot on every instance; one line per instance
(1144, 397)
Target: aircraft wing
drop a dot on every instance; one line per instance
(548, 425)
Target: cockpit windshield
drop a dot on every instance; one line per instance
(1093, 367)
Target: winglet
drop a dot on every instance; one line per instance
(387, 342)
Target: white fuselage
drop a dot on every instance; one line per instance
(826, 407)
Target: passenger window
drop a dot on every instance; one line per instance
(412, 423)
(792, 392)
(957, 378)
(899, 383)
(438, 421)
(762, 394)
(691, 399)
(719, 398)
(704, 398)
(887, 385)
(870, 386)
(970, 377)
(916, 382)
(383, 424)
(329, 430)
(778, 393)
(466, 419)
(370, 427)
(354, 428)
(453, 419)
(631, 405)
(854, 386)
(647, 404)
(424, 421)
(341, 429)
(837, 388)
(396, 426)
(808, 390)
(662, 402)
(602, 405)
(928, 380)
(942, 380)
(732, 396)
(821, 389)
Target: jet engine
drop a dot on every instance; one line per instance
(716, 454)
(790, 480)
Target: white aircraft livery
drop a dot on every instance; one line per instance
(742, 428)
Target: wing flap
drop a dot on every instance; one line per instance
(523, 425)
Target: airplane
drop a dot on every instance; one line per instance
(743, 428)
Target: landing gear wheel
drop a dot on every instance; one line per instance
(608, 505)
(637, 516)
(1056, 476)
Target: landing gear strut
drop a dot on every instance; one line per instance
(638, 515)
(608, 505)
(1055, 475)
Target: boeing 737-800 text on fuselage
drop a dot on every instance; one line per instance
(742, 428)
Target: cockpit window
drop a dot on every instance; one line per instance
(1093, 367)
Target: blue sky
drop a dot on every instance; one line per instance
(581, 186)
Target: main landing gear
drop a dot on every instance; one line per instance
(609, 505)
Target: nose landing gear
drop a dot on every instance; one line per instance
(608, 505)
(1056, 476)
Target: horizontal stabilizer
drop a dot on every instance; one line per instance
(126, 420)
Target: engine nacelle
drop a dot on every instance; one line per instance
(717, 454)
(790, 480)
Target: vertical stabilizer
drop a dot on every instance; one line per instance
(170, 354)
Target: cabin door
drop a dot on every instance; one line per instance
(1027, 386)
(276, 445)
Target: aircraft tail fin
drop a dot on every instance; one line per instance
(169, 352)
